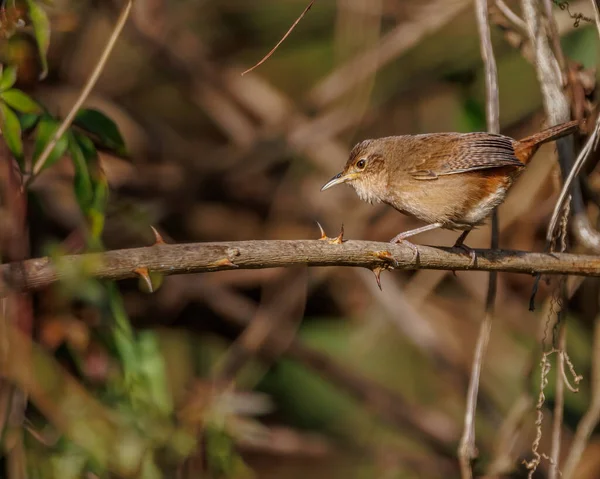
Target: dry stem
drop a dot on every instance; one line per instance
(467, 450)
(559, 393)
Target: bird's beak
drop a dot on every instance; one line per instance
(337, 180)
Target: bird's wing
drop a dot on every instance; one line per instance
(462, 153)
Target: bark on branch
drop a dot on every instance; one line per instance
(204, 257)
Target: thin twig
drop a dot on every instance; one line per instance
(512, 16)
(596, 5)
(555, 40)
(467, 449)
(287, 34)
(89, 85)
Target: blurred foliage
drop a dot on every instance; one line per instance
(125, 383)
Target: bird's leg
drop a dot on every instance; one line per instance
(401, 238)
(460, 243)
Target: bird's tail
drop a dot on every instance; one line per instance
(526, 148)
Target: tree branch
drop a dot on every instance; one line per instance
(204, 257)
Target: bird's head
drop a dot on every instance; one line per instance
(364, 171)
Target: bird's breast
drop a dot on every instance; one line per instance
(457, 201)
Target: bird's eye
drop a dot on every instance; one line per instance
(360, 164)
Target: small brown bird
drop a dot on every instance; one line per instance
(447, 180)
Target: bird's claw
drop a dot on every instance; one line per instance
(470, 251)
(400, 239)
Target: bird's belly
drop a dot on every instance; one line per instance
(456, 201)
(482, 209)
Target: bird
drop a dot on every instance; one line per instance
(447, 180)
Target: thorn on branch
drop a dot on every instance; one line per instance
(158, 239)
(377, 272)
(323, 235)
(390, 263)
(144, 274)
(339, 239)
(388, 257)
(223, 262)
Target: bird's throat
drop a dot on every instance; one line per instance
(368, 191)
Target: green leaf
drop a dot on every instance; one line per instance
(41, 29)
(151, 366)
(96, 215)
(28, 120)
(87, 148)
(103, 128)
(20, 101)
(84, 192)
(11, 130)
(44, 133)
(8, 78)
(124, 338)
(96, 210)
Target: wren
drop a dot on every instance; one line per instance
(447, 180)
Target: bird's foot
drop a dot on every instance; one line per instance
(401, 239)
(470, 251)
